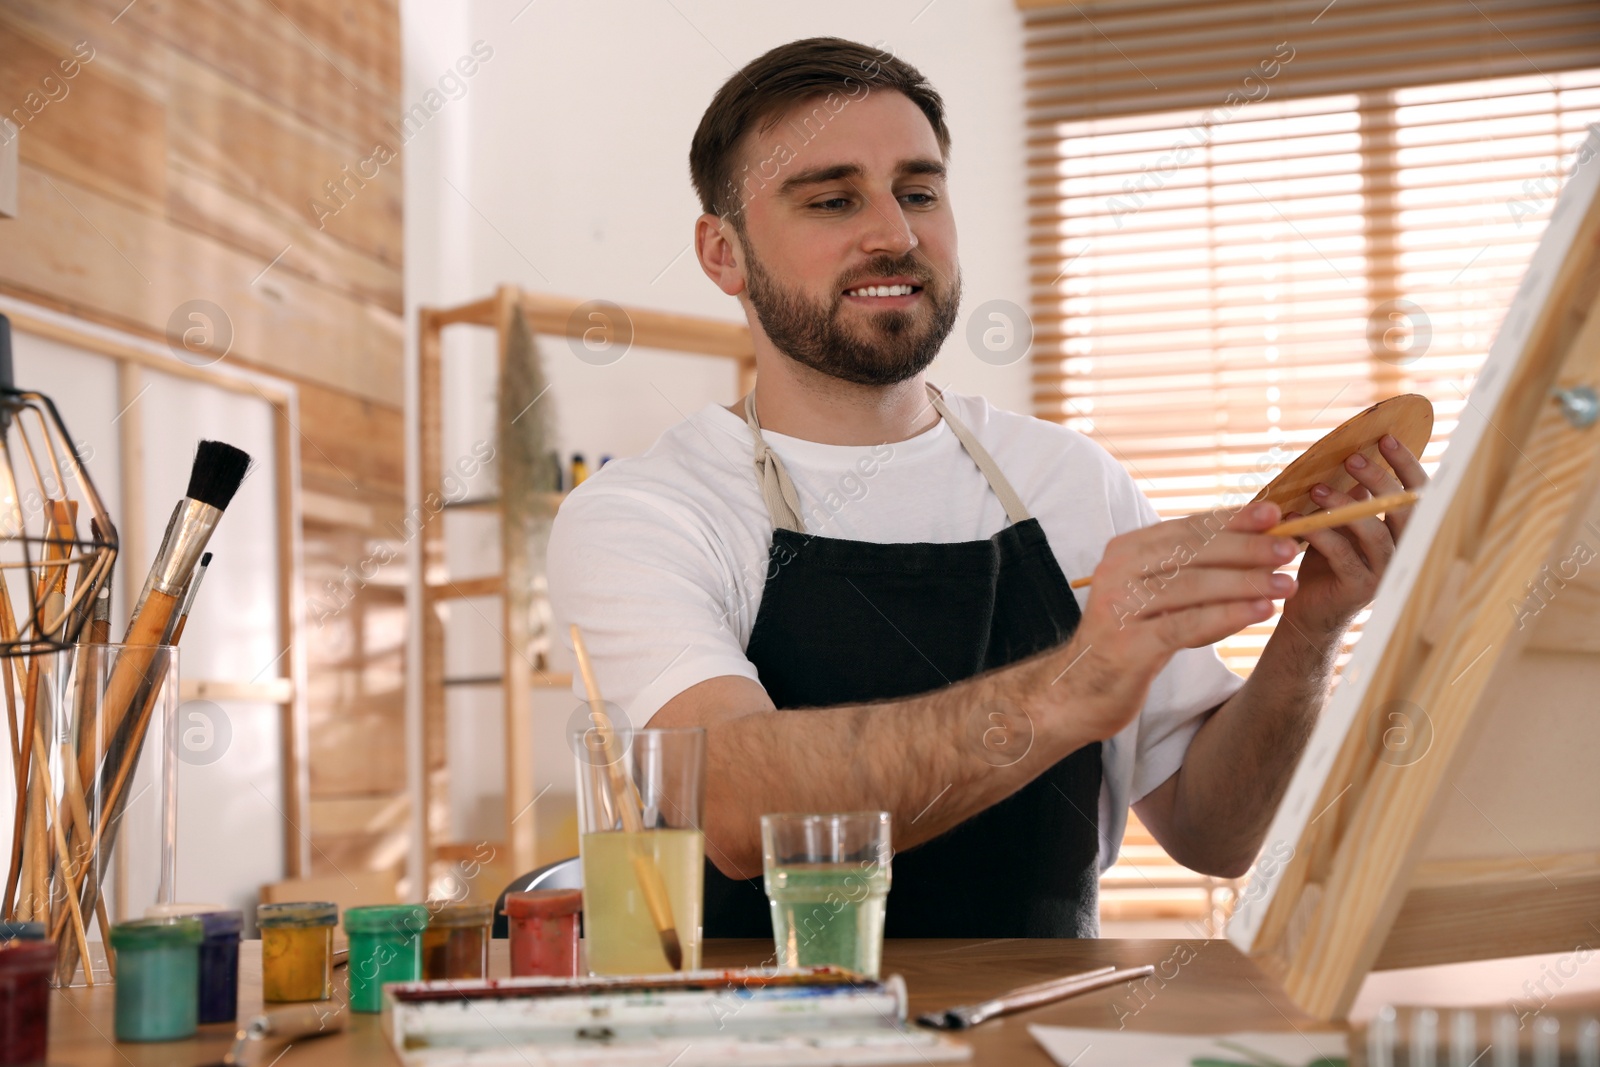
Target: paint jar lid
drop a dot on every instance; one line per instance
(544, 903)
(168, 911)
(17, 931)
(460, 914)
(298, 913)
(402, 919)
(156, 933)
(217, 922)
(225, 925)
(18, 958)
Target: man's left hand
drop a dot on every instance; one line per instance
(1339, 574)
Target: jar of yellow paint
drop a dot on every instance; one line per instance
(297, 950)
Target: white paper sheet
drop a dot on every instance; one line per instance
(1071, 1047)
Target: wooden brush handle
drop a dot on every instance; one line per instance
(654, 885)
(17, 886)
(63, 856)
(122, 757)
(622, 787)
(1360, 509)
(127, 677)
(78, 812)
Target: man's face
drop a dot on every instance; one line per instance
(859, 209)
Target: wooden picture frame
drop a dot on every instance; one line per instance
(1445, 807)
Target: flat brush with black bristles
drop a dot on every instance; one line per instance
(218, 470)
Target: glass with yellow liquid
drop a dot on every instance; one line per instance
(667, 769)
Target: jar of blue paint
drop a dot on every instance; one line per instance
(219, 965)
(158, 978)
(219, 956)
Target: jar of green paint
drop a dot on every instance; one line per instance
(385, 946)
(158, 978)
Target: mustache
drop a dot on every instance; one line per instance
(889, 268)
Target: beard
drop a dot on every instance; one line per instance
(893, 345)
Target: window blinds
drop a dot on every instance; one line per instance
(1248, 221)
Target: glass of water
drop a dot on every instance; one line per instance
(667, 769)
(827, 880)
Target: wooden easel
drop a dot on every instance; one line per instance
(1448, 805)
(547, 315)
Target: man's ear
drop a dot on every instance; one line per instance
(720, 253)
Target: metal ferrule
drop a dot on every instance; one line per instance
(187, 533)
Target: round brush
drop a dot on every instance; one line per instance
(626, 794)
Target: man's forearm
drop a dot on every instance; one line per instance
(931, 761)
(1239, 764)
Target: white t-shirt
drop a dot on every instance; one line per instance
(662, 559)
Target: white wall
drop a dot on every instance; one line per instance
(561, 165)
(567, 153)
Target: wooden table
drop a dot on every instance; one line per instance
(1199, 986)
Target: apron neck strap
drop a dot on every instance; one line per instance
(980, 455)
(783, 503)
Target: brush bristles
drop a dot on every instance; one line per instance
(672, 948)
(219, 468)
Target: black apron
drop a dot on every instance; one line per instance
(845, 622)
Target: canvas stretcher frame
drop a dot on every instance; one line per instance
(1444, 809)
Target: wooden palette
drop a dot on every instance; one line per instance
(1409, 417)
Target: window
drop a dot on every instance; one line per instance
(1218, 284)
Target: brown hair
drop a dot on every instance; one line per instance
(755, 97)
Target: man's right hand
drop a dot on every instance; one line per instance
(1180, 584)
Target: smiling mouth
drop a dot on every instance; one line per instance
(884, 292)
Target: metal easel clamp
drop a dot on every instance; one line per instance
(1580, 404)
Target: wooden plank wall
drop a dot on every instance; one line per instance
(176, 150)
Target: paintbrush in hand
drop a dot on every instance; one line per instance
(1322, 520)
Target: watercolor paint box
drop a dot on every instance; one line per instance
(763, 1017)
